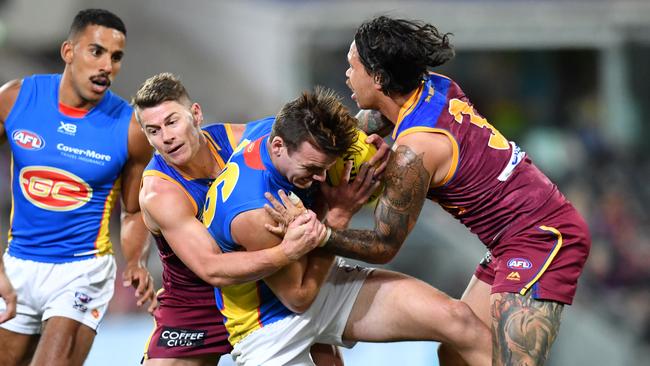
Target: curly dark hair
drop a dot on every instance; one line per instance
(101, 17)
(318, 117)
(399, 52)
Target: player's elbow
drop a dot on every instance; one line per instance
(386, 254)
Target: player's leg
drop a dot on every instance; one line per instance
(63, 342)
(19, 336)
(477, 296)
(15, 348)
(523, 328)
(395, 307)
(326, 355)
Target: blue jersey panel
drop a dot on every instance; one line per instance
(65, 173)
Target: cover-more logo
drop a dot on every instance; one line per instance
(28, 140)
(53, 189)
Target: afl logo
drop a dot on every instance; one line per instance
(519, 263)
(28, 140)
(54, 189)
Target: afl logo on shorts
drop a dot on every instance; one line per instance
(53, 189)
(519, 263)
(28, 140)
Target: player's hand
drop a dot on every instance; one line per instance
(304, 234)
(8, 294)
(283, 213)
(348, 197)
(380, 159)
(137, 276)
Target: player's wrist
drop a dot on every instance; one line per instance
(278, 257)
(326, 238)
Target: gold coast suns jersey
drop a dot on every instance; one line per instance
(64, 173)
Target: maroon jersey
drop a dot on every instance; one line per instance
(538, 240)
(492, 185)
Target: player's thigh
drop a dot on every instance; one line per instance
(477, 296)
(15, 348)
(392, 306)
(326, 355)
(208, 360)
(64, 341)
(523, 328)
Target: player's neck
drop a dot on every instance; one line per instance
(389, 107)
(69, 97)
(202, 164)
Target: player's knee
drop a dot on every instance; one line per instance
(465, 326)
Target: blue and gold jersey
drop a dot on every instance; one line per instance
(240, 188)
(177, 277)
(64, 173)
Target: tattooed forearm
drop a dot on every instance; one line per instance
(371, 121)
(406, 185)
(523, 329)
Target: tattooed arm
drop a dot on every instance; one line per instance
(371, 121)
(418, 160)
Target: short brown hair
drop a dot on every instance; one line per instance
(158, 89)
(318, 117)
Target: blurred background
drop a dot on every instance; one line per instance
(568, 80)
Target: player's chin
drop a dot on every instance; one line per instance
(302, 184)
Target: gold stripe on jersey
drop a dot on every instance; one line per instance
(11, 193)
(155, 325)
(550, 258)
(454, 149)
(241, 306)
(407, 108)
(214, 148)
(231, 135)
(161, 175)
(103, 242)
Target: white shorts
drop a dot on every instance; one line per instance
(79, 290)
(287, 341)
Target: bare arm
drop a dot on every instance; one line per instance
(417, 158)
(8, 95)
(298, 283)
(371, 121)
(133, 233)
(168, 211)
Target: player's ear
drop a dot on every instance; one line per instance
(67, 51)
(277, 143)
(197, 114)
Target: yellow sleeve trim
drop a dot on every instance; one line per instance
(161, 175)
(454, 148)
(407, 108)
(231, 135)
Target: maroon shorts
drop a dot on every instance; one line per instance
(186, 327)
(546, 258)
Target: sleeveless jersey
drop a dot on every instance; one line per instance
(64, 173)
(492, 186)
(176, 276)
(240, 188)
